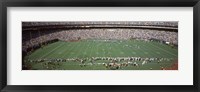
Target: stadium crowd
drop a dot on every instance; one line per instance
(37, 38)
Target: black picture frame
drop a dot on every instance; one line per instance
(100, 3)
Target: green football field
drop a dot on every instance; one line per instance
(63, 55)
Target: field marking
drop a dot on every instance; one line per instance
(78, 52)
(109, 49)
(101, 53)
(155, 49)
(69, 50)
(75, 54)
(63, 55)
(51, 51)
(164, 50)
(158, 52)
(113, 49)
(35, 54)
(151, 50)
(83, 53)
(86, 49)
(164, 46)
(97, 50)
(133, 52)
(138, 50)
(146, 47)
(102, 46)
(66, 45)
(60, 50)
(119, 49)
(128, 48)
(92, 48)
(77, 45)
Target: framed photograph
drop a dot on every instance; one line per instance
(130, 45)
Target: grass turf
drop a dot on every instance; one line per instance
(102, 48)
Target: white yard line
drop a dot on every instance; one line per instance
(87, 45)
(91, 48)
(78, 46)
(65, 50)
(51, 51)
(71, 51)
(97, 50)
(163, 50)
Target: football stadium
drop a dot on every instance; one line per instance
(100, 45)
